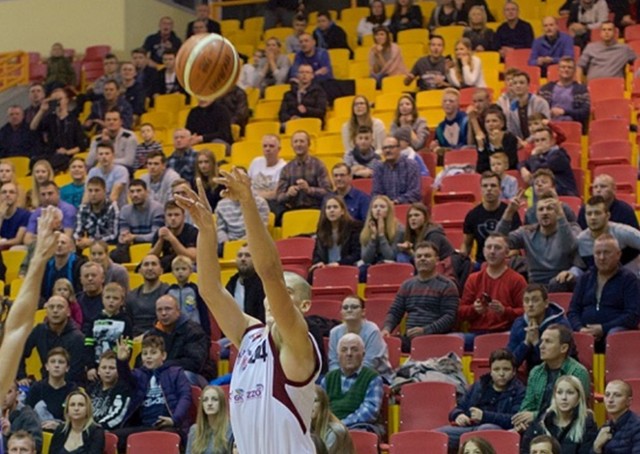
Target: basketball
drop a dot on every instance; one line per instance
(207, 66)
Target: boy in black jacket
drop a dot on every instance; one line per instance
(110, 396)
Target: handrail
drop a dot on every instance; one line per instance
(14, 69)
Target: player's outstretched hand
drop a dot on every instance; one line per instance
(197, 205)
(238, 185)
(49, 224)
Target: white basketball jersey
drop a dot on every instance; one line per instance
(269, 414)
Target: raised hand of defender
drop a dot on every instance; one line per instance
(197, 205)
(238, 185)
(49, 224)
(122, 349)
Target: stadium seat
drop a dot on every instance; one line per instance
(574, 150)
(612, 108)
(387, 102)
(563, 299)
(266, 110)
(364, 442)
(159, 119)
(391, 84)
(436, 345)
(394, 347)
(366, 86)
(384, 279)
(12, 260)
(296, 254)
(257, 129)
(400, 212)
(622, 359)
(46, 442)
(228, 26)
(451, 214)
(326, 308)
(463, 156)
(196, 392)
(354, 14)
(451, 34)
(276, 92)
(21, 165)
(414, 441)
(299, 222)
(517, 58)
(635, 390)
(377, 307)
(459, 188)
(455, 237)
(153, 442)
(606, 88)
(503, 441)
(585, 350)
(441, 398)
(609, 152)
(340, 71)
(608, 129)
(37, 72)
(429, 98)
(110, 443)
(574, 203)
(282, 33)
(413, 35)
(335, 282)
(312, 126)
(624, 175)
(483, 345)
(571, 129)
(96, 53)
(359, 69)
(172, 103)
(632, 33)
(363, 184)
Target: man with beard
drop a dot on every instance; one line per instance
(141, 301)
(246, 286)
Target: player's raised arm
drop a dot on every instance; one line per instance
(19, 322)
(231, 319)
(292, 331)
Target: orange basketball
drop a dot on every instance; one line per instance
(207, 66)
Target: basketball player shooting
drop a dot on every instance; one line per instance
(19, 322)
(272, 386)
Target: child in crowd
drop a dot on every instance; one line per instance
(363, 159)
(73, 192)
(161, 395)
(110, 396)
(187, 294)
(47, 396)
(403, 136)
(148, 144)
(499, 163)
(490, 402)
(63, 287)
(111, 325)
(292, 42)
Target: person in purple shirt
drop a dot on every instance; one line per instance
(50, 196)
(314, 56)
(550, 47)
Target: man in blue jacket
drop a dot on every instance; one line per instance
(621, 433)
(550, 47)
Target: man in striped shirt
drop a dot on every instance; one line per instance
(429, 299)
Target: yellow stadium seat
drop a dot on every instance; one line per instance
(427, 8)
(46, 441)
(21, 165)
(299, 222)
(245, 49)
(255, 130)
(496, 8)
(386, 117)
(451, 34)
(140, 172)
(493, 26)
(334, 124)
(242, 153)
(136, 349)
(167, 150)
(246, 37)
(412, 49)
(160, 119)
(276, 92)
(354, 14)
(338, 58)
(12, 260)
(413, 35)
(387, 101)
(429, 98)
(15, 288)
(229, 25)
(330, 145)
(389, 8)
(253, 23)
(33, 364)
(330, 161)
(266, 110)
(350, 27)
(63, 179)
(367, 41)
(282, 33)
(219, 150)
(135, 280)
(342, 106)
(139, 251)
(225, 275)
(171, 103)
(39, 316)
(183, 114)
(231, 248)
(26, 183)
(359, 70)
(253, 95)
(312, 126)
(366, 86)
(168, 278)
(395, 84)
(433, 116)
(362, 54)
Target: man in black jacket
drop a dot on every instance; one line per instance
(329, 35)
(185, 341)
(305, 100)
(246, 287)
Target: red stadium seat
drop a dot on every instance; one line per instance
(612, 108)
(452, 214)
(517, 58)
(622, 360)
(606, 88)
(455, 237)
(632, 33)
(394, 346)
(426, 190)
(296, 252)
(196, 392)
(625, 176)
(364, 442)
(436, 345)
(335, 282)
(110, 443)
(574, 150)
(96, 53)
(563, 299)
(585, 349)
(153, 442)
(376, 309)
(363, 184)
(608, 129)
(325, 308)
(609, 152)
(37, 72)
(574, 203)
(635, 390)
(414, 441)
(459, 188)
(483, 345)
(503, 441)
(400, 212)
(463, 156)
(430, 160)
(441, 398)
(386, 278)
(571, 129)
(595, 34)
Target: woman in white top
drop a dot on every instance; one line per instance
(467, 68)
(377, 16)
(361, 116)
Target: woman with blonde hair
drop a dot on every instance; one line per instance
(380, 235)
(328, 427)
(361, 116)
(79, 434)
(568, 419)
(407, 115)
(385, 56)
(211, 434)
(40, 172)
(206, 168)
(466, 70)
(482, 37)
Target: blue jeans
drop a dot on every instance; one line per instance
(455, 432)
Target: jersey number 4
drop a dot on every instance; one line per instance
(260, 353)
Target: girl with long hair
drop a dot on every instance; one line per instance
(337, 236)
(361, 116)
(381, 232)
(567, 419)
(377, 16)
(385, 56)
(419, 227)
(206, 168)
(407, 115)
(476, 445)
(328, 427)
(466, 70)
(482, 37)
(211, 434)
(497, 139)
(79, 434)
(41, 172)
